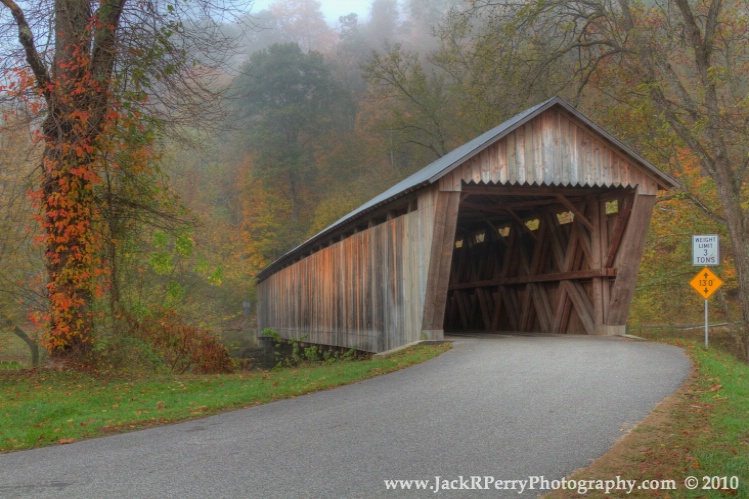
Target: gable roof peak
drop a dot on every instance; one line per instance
(458, 156)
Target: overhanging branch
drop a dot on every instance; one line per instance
(26, 37)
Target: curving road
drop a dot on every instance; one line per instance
(506, 407)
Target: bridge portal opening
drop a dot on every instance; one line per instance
(536, 259)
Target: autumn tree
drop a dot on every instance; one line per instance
(419, 101)
(662, 296)
(91, 70)
(287, 100)
(679, 64)
(469, 82)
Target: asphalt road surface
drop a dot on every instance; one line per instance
(495, 407)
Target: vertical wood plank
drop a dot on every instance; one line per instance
(596, 259)
(443, 242)
(493, 159)
(513, 170)
(628, 260)
(575, 168)
(503, 162)
(486, 175)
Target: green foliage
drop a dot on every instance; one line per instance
(161, 262)
(183, 245)
(293, 352)
(217, 276)
(129, 354)
(175, 292)
(294, 113)
(177, 268)
(160, 239)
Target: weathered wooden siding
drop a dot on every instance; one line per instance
(447, 205)
(389, 273)
(553, 149)
(366, 291)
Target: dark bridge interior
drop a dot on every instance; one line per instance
(534, 259)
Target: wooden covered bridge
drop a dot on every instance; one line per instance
(538, 225)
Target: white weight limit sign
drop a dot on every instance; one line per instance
(705, 250)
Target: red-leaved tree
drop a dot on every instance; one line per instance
(104, 71)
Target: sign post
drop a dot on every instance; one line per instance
(706, 251)
(706, 283)
(706, 327)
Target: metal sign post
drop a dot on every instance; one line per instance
(706, 251)
(706, 283)
(706, 326)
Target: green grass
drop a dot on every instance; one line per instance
(46, 407)
(723, 449)
(702, 431)
(723, 389)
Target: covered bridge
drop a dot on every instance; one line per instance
(538, 225)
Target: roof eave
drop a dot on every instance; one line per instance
(484, 141)
(280, 261)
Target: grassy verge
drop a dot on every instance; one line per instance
(47, 407)
(701, 431)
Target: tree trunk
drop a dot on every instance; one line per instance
(67, 206)
(77, 97)
(33, 346)
(738, 228)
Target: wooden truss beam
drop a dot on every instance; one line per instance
(561, 276)
(500, 206)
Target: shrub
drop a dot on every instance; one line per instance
(126, 353)
(182, 348)
(293, 352)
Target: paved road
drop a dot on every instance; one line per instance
(508, 407)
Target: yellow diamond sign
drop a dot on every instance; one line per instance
(706, 283)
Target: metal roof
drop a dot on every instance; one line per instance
(444, 165)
